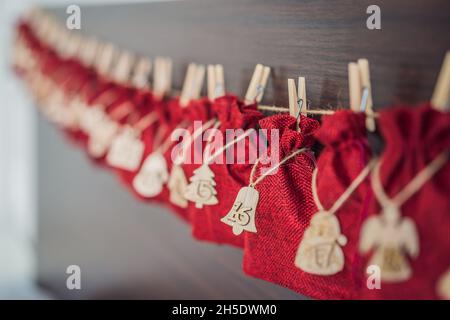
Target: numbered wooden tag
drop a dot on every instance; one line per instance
(126, 150)
(320, 250)
(443, 286)
(242, 215)
(177, 185)
(392, 238)
(201, 188)
(101, 137)
(152, 176)
(54, 110)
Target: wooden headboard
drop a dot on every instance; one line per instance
(131, 249)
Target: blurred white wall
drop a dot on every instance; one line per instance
(18, 154)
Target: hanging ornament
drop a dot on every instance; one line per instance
(201, 189)
(152, 176)
(177, 185)
(101, 137)
(126, 150)
(242, 215)
(320, 250)
(443, 286)
(392, 238)
(90, 117)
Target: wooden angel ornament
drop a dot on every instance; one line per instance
(392, 238)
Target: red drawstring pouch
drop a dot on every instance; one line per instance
(285, 204)
(327, 256)
(404, 242)
(198, 117)
(228, 176)
(135, 139)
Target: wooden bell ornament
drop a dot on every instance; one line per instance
(162, 76)
(257, 84)
(441, 95)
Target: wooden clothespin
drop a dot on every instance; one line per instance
(141, 73)
(122, 70)
(193, 83)
(88, 51)
(360, 91)
(162, 76)
(257, 85)
(441, 95)
(297, 98)
(106, 58)
(216, 82)
(72, 45)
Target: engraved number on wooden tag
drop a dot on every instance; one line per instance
(241, 217)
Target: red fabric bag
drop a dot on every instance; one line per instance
(284, 208)
(345, 154)
(229, 178)
(414, 137)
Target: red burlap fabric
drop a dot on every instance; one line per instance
(346, 152)
(284, 210)
(230, 178)
(414, 137)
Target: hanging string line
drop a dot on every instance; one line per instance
(226, 146)
(272, 169)
(346, 194)
(413, 186)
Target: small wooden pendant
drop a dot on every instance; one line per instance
(320, 250)
(177, 185)
(101, 137)
(201, 188)
(152, 176)
(126, 150)
(90, 118)
(392, 238)
(443, 286)
(242, 215)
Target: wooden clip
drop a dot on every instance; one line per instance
(162, 76)
(257, 85)
(297, 98)
(192, 85)
(354, 86)
(364, 72)
(441, 95)
(106, 58)
(122, 70)
(141, 73)
(216, 82)
(88, 51)
(72, 46)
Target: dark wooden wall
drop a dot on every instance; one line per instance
(130, 249)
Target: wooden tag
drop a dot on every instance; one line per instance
(320, 249)
(153, 175)
(201, 188)
(443, 286)
(90, 117)
(242, 215)
(101, 137)
(392, 238)
(177, 185)
(126, 150)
